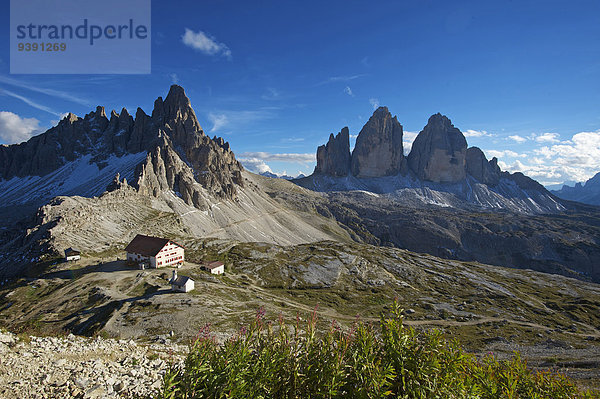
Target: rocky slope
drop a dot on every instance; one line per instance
(587, 193)
(109, 222)
(565, 243)
(74, 367)
(440, 169)
(172, 179)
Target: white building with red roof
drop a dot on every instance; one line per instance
(216, 267)
(155, 251)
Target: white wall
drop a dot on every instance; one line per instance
(189, 286)
(171, 254)
(218, 270)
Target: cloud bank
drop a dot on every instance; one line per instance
(14, 129)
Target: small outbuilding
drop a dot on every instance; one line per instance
(181, 283)
(72, 254)
(216, 267)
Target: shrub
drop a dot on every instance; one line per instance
(392, 361)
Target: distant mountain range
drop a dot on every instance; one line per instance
(587, 193)
(440, 169)
(95, 182)
(285, 177)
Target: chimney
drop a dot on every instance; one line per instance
(174, 275)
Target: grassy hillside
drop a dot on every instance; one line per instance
(552, 320)
(283, 361)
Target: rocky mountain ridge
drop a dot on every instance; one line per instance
(440, 169)
(587, 193)
(179, 156)
(94, 182)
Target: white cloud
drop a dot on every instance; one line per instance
(348, 91)
(517, 138)
(374, 103)
(43, 90)
(204, 43)
(547, 138)
(477, 133)
(577, 159)
(257, 162)
(174, 78)
(218, 120)
(272, 94)
(255, 165)
(407, 140)
(346, 78)
(14, 129)
(237, 119)
(542, 173)
(266, 156)
(504, 154)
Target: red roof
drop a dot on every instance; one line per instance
(213, 265)
(147, 245)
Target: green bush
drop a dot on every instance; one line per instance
(285, 361)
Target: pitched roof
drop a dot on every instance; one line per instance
(213, 265)
(180, 281)
(71, 250)
(146, 245)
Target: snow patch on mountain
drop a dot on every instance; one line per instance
(81, 177)
(467, 193)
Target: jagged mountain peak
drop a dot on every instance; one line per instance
(381, 115)
(381, 111)
(175, 107)
(68, 119)
(171, 137)
(594, 181)
(140, 113)
(438, 118)
(177, 97)
(334, 158)
(439, 169)
(587, 193)
(487, 172)
(379, 150)
(438, 153)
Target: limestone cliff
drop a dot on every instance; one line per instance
(479, 167)
(438, 154)
(378, 150)
(334, 158)
(171, 137)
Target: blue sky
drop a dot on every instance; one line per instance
(521, 78)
